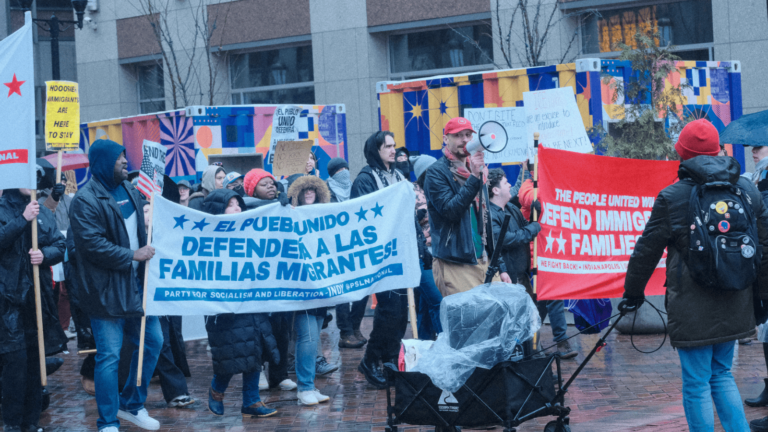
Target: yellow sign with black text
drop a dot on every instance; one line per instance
(62, 116)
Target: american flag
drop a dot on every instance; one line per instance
(149, 179)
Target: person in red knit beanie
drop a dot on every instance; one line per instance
(698, 138)
(266, 190)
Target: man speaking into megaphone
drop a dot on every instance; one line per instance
(458, 213)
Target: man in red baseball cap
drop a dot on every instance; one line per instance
(458, 207)
(704, 321)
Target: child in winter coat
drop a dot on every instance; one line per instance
(237, 340)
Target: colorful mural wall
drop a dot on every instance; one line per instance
(417, 111)
(191, 135)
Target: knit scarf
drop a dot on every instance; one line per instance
(341, 185)
(461, 172)
(759, 168)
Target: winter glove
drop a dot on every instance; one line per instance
(58, 191)
(762, 185)
(535, 209)
(283, 199)
(631, 303)
(534, 228)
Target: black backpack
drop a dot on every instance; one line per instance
(723, 251)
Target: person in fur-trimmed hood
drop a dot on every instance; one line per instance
(308, 190)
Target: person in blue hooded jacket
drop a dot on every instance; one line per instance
(110, 252)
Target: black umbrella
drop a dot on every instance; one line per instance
(749, 130)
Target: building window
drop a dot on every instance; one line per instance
(275, 76)
(685, 24)
(151, 88)
(467, 47)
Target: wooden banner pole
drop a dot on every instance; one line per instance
(144, 298)
(38, 302)
(412, 313)
(58, 167)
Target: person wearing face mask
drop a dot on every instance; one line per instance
(237, 341)
(22, 394)
(234, 181)
(402, 161)
(213, 178)
(339, 182)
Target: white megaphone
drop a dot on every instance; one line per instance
(491, 137)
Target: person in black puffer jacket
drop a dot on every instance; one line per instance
(22, 393)
(237, 340)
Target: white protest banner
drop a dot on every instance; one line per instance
(555, 116)
(152, 161)
(513, 120)
(277, 258)
(285, 127)
(17, 109)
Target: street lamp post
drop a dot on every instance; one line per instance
(54, 27)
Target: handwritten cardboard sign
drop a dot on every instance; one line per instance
(513, 120)
(555, 116)
(62, 116)
(290, 157)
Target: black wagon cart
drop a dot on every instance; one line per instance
(508, 394)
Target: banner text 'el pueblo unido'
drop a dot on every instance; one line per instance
(279, 258)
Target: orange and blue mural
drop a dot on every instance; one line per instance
(191, 135)
(416, 111)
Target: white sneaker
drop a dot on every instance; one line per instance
(109, 429)
(320, 397)
(141, 419)
(287, 385)
(263, 382)
(307, 398)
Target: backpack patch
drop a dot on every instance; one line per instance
(723, 248)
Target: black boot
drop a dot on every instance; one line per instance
(759, 425)
(761, 400)
(371, 372)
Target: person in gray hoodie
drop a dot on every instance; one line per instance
(213, 178)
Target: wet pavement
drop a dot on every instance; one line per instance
(619, 390)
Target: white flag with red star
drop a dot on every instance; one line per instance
(17, 109)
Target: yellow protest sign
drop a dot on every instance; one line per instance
(62, 116)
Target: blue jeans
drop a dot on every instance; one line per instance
(706, 377)
(307, 337)
(429, 305)
(108, 334)
(555, 310)
(250, 386)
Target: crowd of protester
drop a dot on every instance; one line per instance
(458, 213)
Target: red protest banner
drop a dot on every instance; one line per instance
(594, 208)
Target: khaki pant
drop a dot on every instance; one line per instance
(452, 278)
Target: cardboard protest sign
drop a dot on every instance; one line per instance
(290, 157)
(278, 258)
(152, 168)
(513, 120)
(285, 127)
(593, 210)
(555, 116)
(17, 148)
(62, 116)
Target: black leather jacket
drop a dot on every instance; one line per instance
(450, 221)
(108, 285)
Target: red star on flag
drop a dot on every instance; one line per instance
(14, 86)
